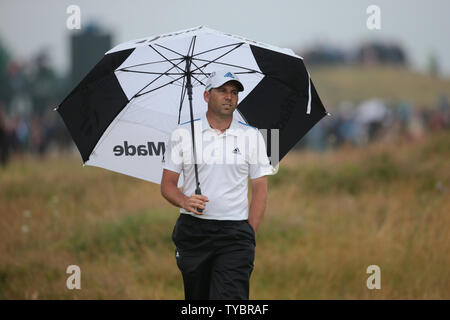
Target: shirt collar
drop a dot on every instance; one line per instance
(232, 130)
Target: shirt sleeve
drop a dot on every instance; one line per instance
(259, 162)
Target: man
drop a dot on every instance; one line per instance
(215, 245)
(4, 139)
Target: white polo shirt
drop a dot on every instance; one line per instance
(225, 162)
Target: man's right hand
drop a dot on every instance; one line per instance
(193, 202)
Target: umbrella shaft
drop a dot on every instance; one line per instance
(189, 92)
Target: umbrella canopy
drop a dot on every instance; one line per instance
(121, 114)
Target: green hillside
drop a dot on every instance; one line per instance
(356, 83)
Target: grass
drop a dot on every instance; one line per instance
(329, 217)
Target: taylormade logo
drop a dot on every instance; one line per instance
(150, 149)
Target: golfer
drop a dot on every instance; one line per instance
(215, 246)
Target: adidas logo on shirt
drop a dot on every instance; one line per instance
(236, 151)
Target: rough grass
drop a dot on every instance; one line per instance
(329, 217)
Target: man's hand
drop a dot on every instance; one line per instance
(193, 202)
(170, 191)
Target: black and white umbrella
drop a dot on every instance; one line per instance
(121, 114)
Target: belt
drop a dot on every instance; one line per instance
(191, 219)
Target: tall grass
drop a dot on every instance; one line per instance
(329, 217)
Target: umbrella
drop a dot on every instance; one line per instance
(121, 114)
(373, 110)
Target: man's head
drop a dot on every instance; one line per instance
(219, 77)
(221, 92)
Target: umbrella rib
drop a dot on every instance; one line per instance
(168, 49)
(191, 46)
(230, 65)
(183, 87)
(199, 68)
(138, 93)
(191, 54)
(175, 65)
(160, 73)
(213, 61)
(147, 63)
(171, 82)
(228, 45)
(198, 80)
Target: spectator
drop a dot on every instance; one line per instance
(4, 141)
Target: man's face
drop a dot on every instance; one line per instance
(222, 100)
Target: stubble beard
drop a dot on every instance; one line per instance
(223, 112)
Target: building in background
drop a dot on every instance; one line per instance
(87, 48)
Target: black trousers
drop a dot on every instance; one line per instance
(215, 257)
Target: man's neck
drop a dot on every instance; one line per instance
(217, 122)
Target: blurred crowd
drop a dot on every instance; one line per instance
(369, 53)
(28, 90)
(361, 124)
(374, 120)
(34, 134)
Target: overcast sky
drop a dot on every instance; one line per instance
(421, 27)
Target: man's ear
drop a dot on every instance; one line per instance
(206, 96)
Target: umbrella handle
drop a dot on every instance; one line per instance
(198, 191)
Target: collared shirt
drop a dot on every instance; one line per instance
(225, 162)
